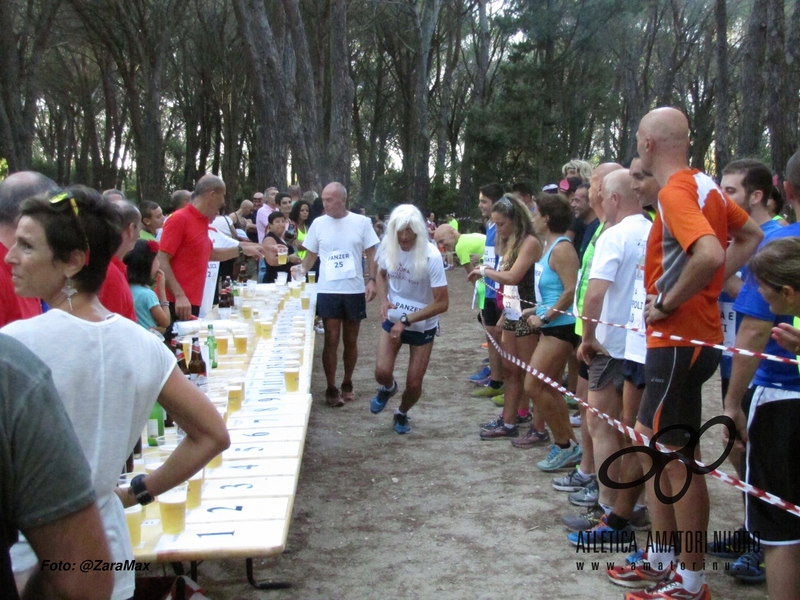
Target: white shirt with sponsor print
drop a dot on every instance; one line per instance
(410, 295)
(616, 259)
(340, 244)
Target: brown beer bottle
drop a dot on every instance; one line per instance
(243, 274)
(179, 356)
(224, 301)
(197, 366)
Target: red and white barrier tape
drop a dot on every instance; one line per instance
(642, 439)
(676, 338)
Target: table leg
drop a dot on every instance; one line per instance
(263, 585)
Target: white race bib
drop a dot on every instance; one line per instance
(406, 307)
(340, 264)
(728, 318)
(577, 293)
(511, 303)
(488, 256)
(538, 270)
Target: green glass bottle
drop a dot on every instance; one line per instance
(211, 342)
(155, 425)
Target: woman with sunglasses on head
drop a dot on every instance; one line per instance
(108, 370)
(520, 250)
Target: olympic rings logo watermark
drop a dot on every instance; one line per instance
(661, 459)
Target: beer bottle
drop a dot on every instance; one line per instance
(155, 425)
(211, 342)
(179, 356)
(243, 274)
(197, 366)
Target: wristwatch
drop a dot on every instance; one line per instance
(659, 304)
(140, 492)
(404, 320)
(544, 319)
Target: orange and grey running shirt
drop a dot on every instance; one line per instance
(690, 206)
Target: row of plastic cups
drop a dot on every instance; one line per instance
(172, 505)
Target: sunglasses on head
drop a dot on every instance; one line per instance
(67, 196)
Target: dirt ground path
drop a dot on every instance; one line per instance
(437, 514)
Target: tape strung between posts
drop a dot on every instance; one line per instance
(643, 439)
(674, 338)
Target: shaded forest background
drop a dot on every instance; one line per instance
(402, 100)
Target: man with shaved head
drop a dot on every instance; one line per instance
(685, 266)
(186, 248)
(582, 482)
(340, 238)
(13, 190)
(612, 279)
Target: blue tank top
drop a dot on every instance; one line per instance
(549, 288)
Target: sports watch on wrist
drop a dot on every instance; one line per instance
(404, 320)
(659, 304)
(140, 492)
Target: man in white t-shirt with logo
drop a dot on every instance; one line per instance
(612, 280)
(412, 288)
(340, 238)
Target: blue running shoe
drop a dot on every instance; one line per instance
(603, 536)
(480, 375)
(749, 568)
(560, 458)
(401, 425)
(378, 403)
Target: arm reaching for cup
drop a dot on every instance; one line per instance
(206, 436)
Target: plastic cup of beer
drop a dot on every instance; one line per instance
(295, 289)
(173, 509)
(240, 343)
(222, 344)
(296, 349)
(291, 375)
(215, 462)
(195, 489)
(283, 251)
(266, 329)
(235, 397)
(247, 310)
(166, 450)
(305, 301)
(312, 277)
(152, 462)
(187, 348)
(134, 516)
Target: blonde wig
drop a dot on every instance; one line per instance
(388, 255)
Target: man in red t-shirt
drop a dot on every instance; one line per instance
(185, 248)
(115, 293)
(688, 258)
(13, 190)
